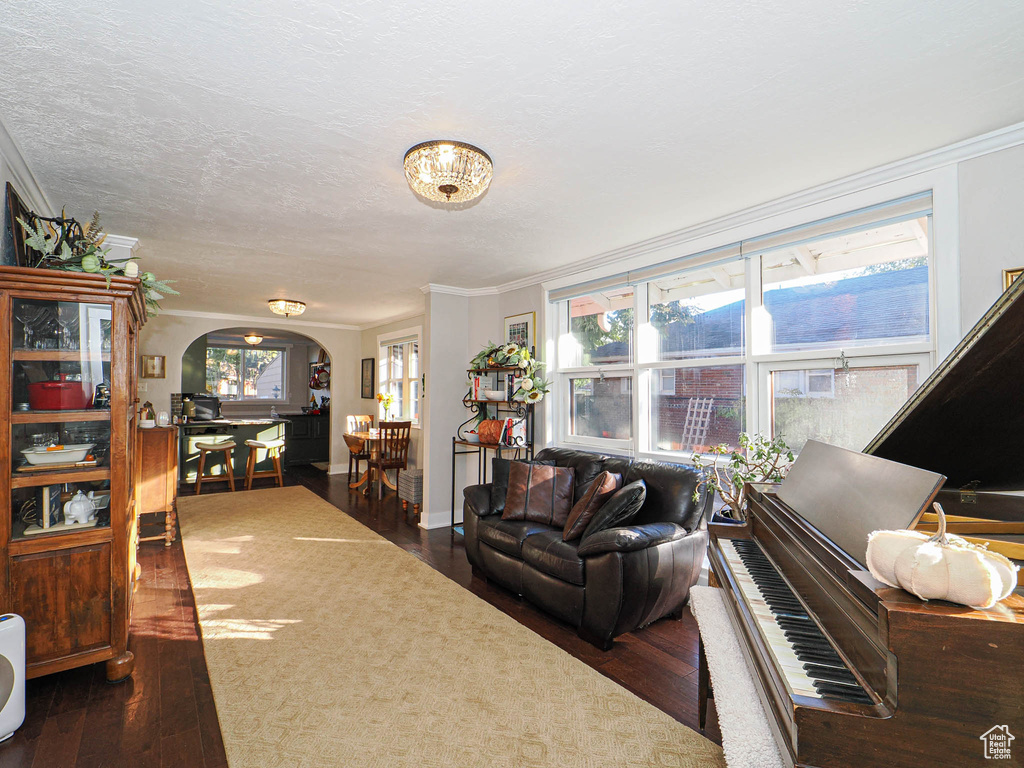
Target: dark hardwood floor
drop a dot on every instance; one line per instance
(164, 715)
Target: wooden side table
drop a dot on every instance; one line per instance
(157, 482)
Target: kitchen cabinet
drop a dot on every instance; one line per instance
(66, 334)
(307, 438)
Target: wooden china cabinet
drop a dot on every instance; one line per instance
(69, 349)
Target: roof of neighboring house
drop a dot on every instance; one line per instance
(884, 305)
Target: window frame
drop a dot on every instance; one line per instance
(385, 342)
(943, 325)
(243, 349)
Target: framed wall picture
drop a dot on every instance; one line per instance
(13, 250)
(1009, 275)
(153, 367)
(366, 378)
(519, 329)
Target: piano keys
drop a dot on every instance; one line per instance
(850, 672)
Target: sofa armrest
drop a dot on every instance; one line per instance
(631, 538)
(478, 499)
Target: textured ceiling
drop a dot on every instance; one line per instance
(255, 147)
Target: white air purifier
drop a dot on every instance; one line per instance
(12, 674)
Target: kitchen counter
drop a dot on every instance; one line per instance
(232, 423)
(238, 430)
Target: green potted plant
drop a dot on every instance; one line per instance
(62, 243)
(759, 460)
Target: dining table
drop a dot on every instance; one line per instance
(370, 440)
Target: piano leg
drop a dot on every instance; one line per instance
(704, 691)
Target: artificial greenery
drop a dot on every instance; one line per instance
(758, 460)
(532, 387)
(64, 244)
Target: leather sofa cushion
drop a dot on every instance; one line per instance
(547, 552)
(586, 466)
(507, 535)
(499, 480)
(620, 509)
(670, 490)
(539, 493)
(600, 491)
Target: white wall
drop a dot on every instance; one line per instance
(991, 228)
(170, 335)
(446, 339)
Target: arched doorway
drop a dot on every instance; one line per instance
(257, 384)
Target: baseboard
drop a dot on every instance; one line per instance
(338, 469)
(438, 519)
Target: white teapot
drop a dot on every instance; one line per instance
(79, 509)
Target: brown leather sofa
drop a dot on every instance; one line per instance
(619, 579)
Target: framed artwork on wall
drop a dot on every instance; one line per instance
(366, 378)
(153, 367)
(1009, 275)
(13, 250)
(519, 329)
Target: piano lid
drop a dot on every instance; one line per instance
(967, 420)
(846, 495)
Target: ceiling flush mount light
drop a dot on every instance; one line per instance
(253, 338)
(448, 171)
(286, 307)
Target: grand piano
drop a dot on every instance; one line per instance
(849, 671)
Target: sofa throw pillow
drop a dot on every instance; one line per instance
(618, 510)
(539, 493)
(499, 480)
(601, 488)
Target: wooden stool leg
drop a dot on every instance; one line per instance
(249, 467)
(199, 474)
(277, 467)
(405, 505)
(416, 512)
(350, 466)
(231, 469)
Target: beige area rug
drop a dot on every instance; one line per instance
(330, 646)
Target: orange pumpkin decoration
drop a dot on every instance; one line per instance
(490, 431)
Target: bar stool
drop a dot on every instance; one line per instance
(204, 448)
(273, 449)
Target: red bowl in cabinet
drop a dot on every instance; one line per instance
(58, 396)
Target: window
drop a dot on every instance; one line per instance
(842, 407)
(819, 332)
(233, 373)
(399, 374)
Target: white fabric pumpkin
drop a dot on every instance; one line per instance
(940, 567)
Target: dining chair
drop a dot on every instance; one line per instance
(357, 449)
(392, 451)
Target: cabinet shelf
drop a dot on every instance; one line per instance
(82, 475)
(49, 417)
(59, 355)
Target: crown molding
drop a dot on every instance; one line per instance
(390, 320)
(254, 319)
(455, 290)
(25, 182)
(968, 149)
(121, 241)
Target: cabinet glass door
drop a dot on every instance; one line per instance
(60, 416)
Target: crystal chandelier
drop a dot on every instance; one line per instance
(448, 171)
(286, 307)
